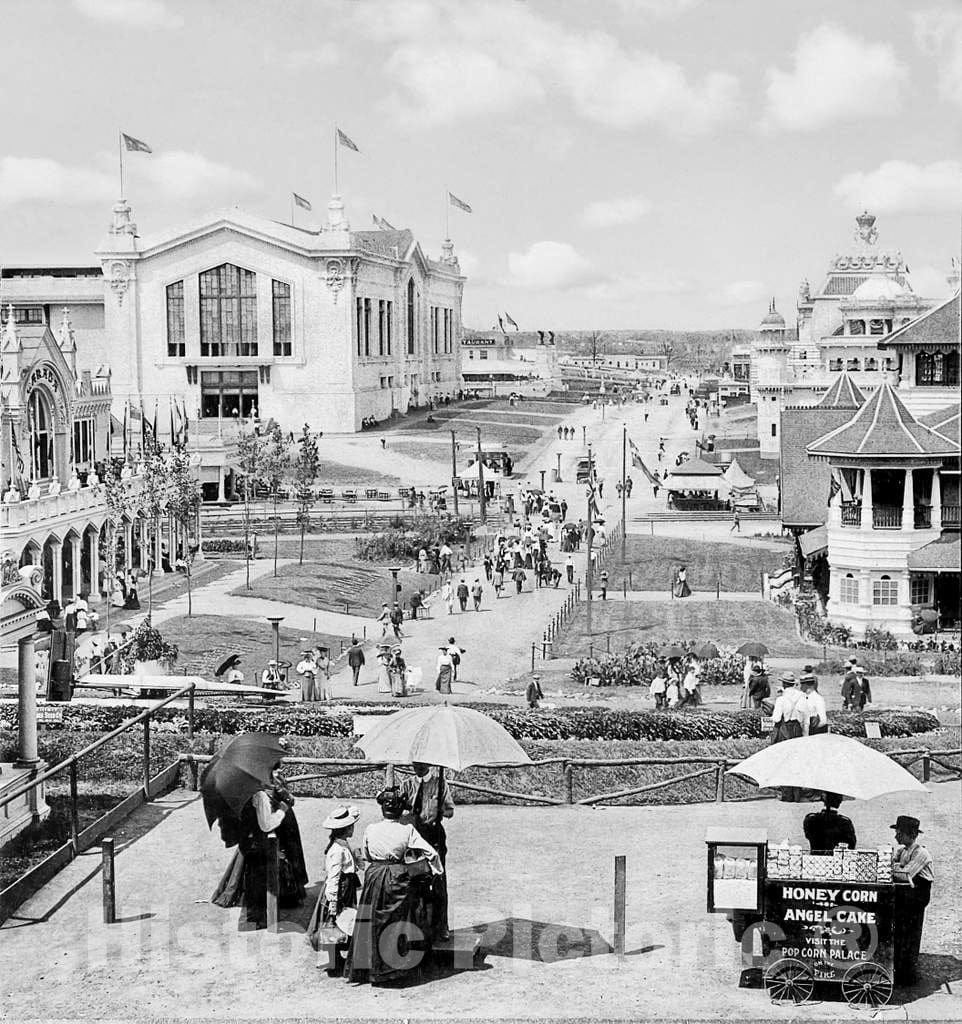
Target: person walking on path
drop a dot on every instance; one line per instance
(629, 483)
(445, 670)
(463, 594)
(455, 652)
(736, 522)
(488, 567)
(355, 659)
(850, 685)
(498, 580)
(397, 618)
(815, 715)
(604, 584)
(446, 554)
(384, 619)
(519, 576)
(417, 601)
(447, 595)
(570, 570)
(476, 592)
(864, 695)
(533, 692)
(681, 583)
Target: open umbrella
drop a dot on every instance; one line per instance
(226, 664)
(706, 650)
(672, 651)
(243, 767)
(829, 762)
(450, 737)
(753, 649)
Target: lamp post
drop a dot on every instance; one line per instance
(584, 435)
(542, 472)
(275, 621)
(395, 586)
(559, 468)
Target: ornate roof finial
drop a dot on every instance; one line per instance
(65, 335)
(10, 340)
(867, 232)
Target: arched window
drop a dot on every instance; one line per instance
(41, 436)
(885, 591)
(848, 589)
(856, 327)
(411, 316)
(228, 312)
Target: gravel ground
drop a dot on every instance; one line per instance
(523, 877)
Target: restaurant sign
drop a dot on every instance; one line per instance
(478, 342)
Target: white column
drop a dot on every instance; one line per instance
(75, 574)
(128, 548)
(936, 498)
(56, 586)
(27, 756)
(158, 540)
(908, 501)
(866, 499)
(93, 540)
(221, 496)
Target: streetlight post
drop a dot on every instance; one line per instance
(454, 470)
(275, 621)
(542, 472)
(584, 434)
(395, 586)
(559, 468)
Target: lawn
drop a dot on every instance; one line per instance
(337, 474)
(724, 622)
(206, 640)
(652, 562)
(341, 585)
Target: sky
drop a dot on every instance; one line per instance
(629, 163)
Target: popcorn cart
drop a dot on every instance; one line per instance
(817, 918)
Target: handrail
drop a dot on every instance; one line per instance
(91, 747)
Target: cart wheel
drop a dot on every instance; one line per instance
(789, 980)
(867, 985)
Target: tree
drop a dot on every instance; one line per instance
(254, 459)
(306, 467)
(118, 503)
(667, 349)
(154, 493)
(184, 504)
(274, 463)
(595, 338)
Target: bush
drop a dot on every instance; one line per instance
(406, 543)
(880, 640)
(637, 664)
(898, 663)
(146, 644)
(224, 545)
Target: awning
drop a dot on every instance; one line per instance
(697, 483)
(696, 467)
(814, 542)
(940, 555)
(737, 477)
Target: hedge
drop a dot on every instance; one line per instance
(637, 665)
(556, 724)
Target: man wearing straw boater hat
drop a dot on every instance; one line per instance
(912, 864)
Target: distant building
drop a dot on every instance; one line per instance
(493, 364)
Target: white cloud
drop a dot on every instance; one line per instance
(606, 213)
(324, 55)
(657, 8)
(470, 265)
(836, 77)
(37, 179)
(627, 288)
(740, 293)
(939, 34)
(546, 266)
(138, 13)
(930, 282)
(898, 186)
(169, 175)
(449, 62)
(179, 175)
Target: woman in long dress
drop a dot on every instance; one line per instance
(398, 669)
(389, 918)
(445, 670)
(244, 883)
(681, 583)
(341, 883)
(384, 668)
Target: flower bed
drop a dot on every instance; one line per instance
(637, 664)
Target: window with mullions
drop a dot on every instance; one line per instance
(84, 442)
(920, 590)
(434, 329)
(885, 591)
(281, 295)
(848, 589)
(937, 369)
(411, 317)
(228, 394)
(176, 342)
(23, 315)
(228, 312)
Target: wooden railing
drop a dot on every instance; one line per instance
(951, 516)
(886, 517)
(851, 515)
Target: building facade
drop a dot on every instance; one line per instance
(494, 364)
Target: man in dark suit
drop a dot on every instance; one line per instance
(826, 828)
(355, 658)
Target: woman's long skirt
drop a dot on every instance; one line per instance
(347, 892)
(386, 902)
(383, 679)
(443, 683)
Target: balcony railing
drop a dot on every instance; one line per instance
(851, 515)
(49, 507)
(950, 517)
(923, 517)
(887, 517)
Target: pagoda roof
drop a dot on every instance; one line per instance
(944, 421)
(883, 429)
(843, 394)
(937, 327)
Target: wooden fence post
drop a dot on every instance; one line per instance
(720, 782)
(194, 773)
(147, 756)
(110, 894)
(569, 782)
(273, 880)
(190, 713)
(926, 767)
(74, 813)
(534, 648)
(620, 879)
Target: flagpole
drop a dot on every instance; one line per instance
(120, 153)
(336, 192)
(589, 581)
(624, 490)
(447, 214)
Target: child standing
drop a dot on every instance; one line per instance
(341, 885)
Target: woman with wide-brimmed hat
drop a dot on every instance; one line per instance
(341, 883)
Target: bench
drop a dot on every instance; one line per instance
(326, 494)
(349, 495)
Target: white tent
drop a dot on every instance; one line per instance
(737, 477)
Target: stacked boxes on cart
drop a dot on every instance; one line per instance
(840, 865)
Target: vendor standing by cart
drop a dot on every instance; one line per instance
(912, 864)
(427, 796)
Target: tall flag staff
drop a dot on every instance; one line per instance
(131, 145)
(300, 201)
(340, 139)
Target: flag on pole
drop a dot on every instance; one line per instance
(833, 488)
(459, 204)
(345, 141)
(133, 145)
(173, 435)
(300, 201)
(381, 224)
(183, 417)
(16, 450)
(501, 324)
(550, 337)
(509, 319)
(639, 463)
